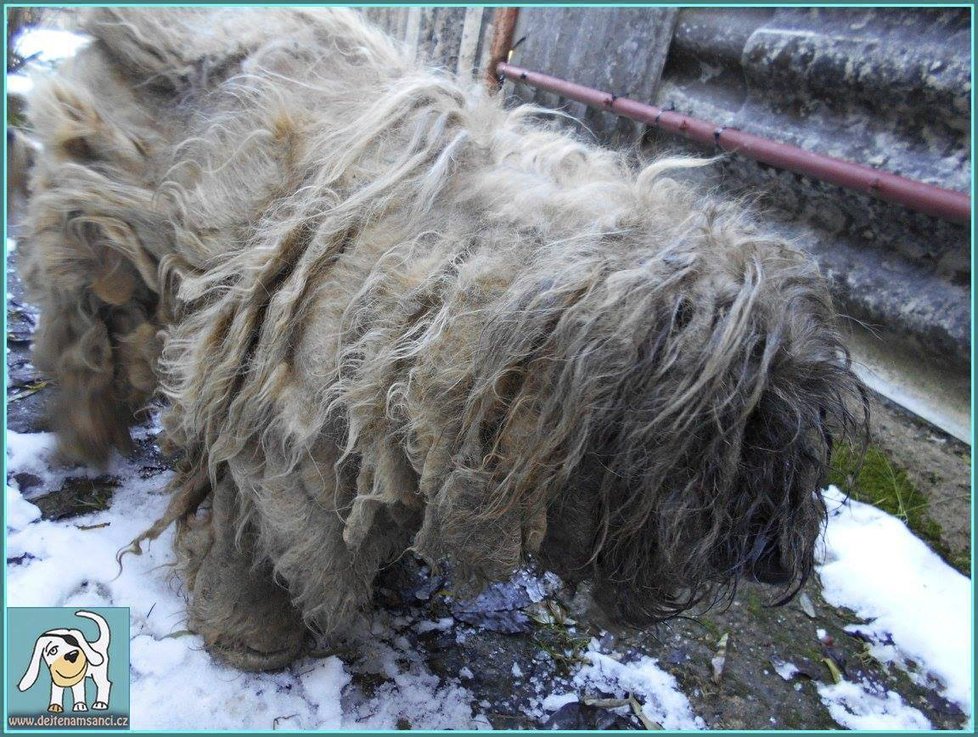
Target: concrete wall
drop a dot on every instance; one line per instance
(885, 87)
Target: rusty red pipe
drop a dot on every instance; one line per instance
(503, 27)
(925, 198)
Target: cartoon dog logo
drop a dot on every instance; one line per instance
(71, 659)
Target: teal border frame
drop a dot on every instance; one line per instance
(629, 3)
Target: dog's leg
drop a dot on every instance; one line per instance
(244, 616)
(92, 243)
(78, 696)
(302, 522)
(57, 695)
(102, 688)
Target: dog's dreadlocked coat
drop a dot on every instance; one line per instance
(389, 314)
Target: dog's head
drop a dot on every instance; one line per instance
(673, 410)
(67, 655)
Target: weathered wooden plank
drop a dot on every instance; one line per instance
(469, 43)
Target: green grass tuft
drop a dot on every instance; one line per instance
(886, 486)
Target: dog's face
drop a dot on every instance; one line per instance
(702, 418)
(65, 659)
(65, 653)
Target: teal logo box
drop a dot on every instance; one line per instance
(68, 667)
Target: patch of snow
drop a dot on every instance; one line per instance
(911, 598)
(36, 454)
(30, 452)
(537, 587)
(45, 567)
(323, 685)
(865, 706)
(555, 701)
(786, 670)
(417, 698)
(17, 84)
(663, 702)
(49, 44)
(440, 625)
(20, 512)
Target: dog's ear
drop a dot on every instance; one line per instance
(94, 658)
(34, 667)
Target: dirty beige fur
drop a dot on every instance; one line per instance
(389, 313)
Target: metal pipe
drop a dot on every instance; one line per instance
(925, 198)
(503, 27)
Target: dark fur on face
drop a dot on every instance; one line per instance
(398, 316)
(684, 404)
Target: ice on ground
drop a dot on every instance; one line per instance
(323, 684)
(916, 606)
(19, 511)
(30, 452)
(442, 624)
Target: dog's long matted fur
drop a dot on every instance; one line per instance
(389, 313)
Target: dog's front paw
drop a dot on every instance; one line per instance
(80, 706)
(55, 708)
(100, 705)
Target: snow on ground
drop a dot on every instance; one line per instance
(73, 563)
(36, 454)
(46, 567)
(866, 706)
(918, 608)
(43, 46)
(664, 703)
(49, 44)
(19, 84)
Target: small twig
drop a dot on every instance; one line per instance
(276, 719)
(639, 712)
(605, 703)
(94, 527)
(178, 633)
(833, 670)
(28, 390)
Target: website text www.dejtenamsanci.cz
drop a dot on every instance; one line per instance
(61, 720)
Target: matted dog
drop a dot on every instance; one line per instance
(389, 313)
(71, 658)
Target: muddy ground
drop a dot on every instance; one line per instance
(546, 650)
